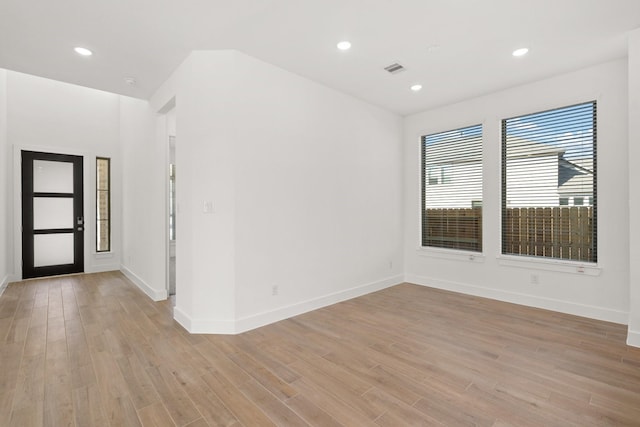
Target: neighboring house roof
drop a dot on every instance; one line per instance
(467, 150)
(575, 176)
(464, 150)
(522, 148)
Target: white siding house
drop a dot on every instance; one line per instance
(538, 175)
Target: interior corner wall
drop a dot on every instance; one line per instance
(144, 214)
(289, 194)
(633, 337)
(318, 195)
(602, 294)
(6, 205)
(203, 88)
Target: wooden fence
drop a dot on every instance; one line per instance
(564, 232)
(453, 228)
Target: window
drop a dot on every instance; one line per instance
(452, 189)
(103, 204)
(548, 172)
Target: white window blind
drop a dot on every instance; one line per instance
(549, 185)
(452, 189)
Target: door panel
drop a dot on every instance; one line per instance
(52, 176)
(52, 249)
(52, 214)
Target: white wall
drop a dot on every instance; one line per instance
(143, 209)
(51, 116)
(305, 186)
(318, 193)
(634, 188)
(6, 207)
(205, 253)
(600, 291)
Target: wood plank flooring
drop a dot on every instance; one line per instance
(92, 350)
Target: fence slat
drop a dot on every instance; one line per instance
(564, 232)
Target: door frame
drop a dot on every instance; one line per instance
(29, 269)
(89, 213)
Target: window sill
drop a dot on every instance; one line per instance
(450, 254)
(562, 266)
(99, 255)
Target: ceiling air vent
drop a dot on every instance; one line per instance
(394, 68)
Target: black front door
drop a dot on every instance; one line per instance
(52, 214)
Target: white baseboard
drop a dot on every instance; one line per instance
(203, 326)
(633, 338)
(144, 287)
(593, 312)
(4, 283)
(255, 321)
(213, 326)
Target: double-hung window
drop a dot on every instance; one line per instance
(549, 185)
(452, 189)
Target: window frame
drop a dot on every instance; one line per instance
(442, 173)
(553, 263)
(97, 218)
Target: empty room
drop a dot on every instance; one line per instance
(319, 213)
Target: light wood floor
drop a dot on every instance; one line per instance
(92, 350)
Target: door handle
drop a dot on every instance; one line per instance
(80, 220)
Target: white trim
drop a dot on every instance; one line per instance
(583, 310)
(633, 338)
(152, 293)
(215, 326)
(100, 255)
(550, 264)
(102, 268)
(4, 283)
(203, 326)
(260, 319)
(452, 254)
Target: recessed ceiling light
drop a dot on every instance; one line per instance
(520, 52)
(416, 88)
(83, 51)
(344, 45)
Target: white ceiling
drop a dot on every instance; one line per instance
(455, 48)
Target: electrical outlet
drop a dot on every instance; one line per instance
(535, 279)
(274, 290)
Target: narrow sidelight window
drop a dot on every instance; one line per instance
(103, 204)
